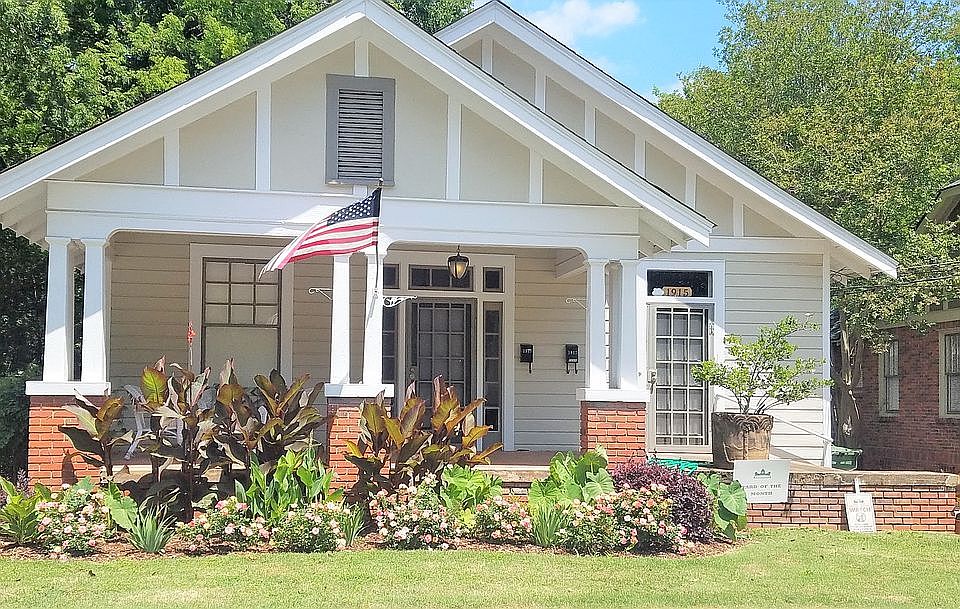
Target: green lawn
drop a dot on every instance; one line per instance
(775, 569)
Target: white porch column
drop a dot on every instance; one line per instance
(629, 363)
(58, 339)
(596, 369)
(373, 329)
(94, 354)
(340, 327)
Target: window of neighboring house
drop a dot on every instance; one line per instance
(890, 378)
(360, 129)
(950, 376)
(241, 316)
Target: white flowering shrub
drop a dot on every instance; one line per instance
(414, 517)
(227, 526)
(632, 520)
(318, 527)
(643, 520)
(502, 521)
(74, 521)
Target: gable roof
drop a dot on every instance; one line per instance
(497, 13)
(143, 123)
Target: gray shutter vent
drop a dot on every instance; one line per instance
(360, 127)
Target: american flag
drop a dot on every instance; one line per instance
(345, 231)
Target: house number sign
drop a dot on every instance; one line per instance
(677, 291)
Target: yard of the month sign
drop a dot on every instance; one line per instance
(763, 481)
(861, 516)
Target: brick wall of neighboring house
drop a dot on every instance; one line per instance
(620, 427)
(51, 458)
(916, 437)
(918, 501)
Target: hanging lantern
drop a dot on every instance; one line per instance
(458, 265)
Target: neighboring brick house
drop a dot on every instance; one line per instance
(910, 398)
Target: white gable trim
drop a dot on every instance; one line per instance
(149, 115)
(495, 12)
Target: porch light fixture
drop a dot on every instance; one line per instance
(458, 265)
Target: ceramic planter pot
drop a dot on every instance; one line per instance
(739, 436)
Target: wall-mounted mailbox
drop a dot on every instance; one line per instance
(571, 355)
(526, 355)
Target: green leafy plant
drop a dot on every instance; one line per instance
(151, 529)
(572, 478)
(123, 509)
(730, 505)
(462, 488)
(19, 517)
(99, 433)
(762, 374)
(74, 521)
(547, 522)
(352, 523)
(397, 450)
(298, 478)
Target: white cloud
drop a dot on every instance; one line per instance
(570, 20)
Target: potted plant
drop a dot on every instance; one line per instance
(758, 376)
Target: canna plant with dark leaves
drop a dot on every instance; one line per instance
(399, 450)
(99, 433)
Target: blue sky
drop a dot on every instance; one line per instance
(644, 43)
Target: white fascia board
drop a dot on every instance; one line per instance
(176, 100)
(392, 24)
(492, 91)
(495, 12)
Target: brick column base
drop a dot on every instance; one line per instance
(343, 423)
(620, 427)
(51, 458)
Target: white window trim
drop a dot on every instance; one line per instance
(885, 410)
(716, 333)
(942, 376)
(199, 251)
(404, 260)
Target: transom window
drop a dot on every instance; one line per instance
(439, 278)
(241, 315)
(890, 378)
(951, 373)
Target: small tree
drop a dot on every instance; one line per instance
(764, 373)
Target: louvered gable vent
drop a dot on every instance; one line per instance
(360, 133)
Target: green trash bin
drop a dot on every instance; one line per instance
(846, 458)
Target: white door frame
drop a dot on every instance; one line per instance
(404, 259)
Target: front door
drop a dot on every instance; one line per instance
(440, 344)
(681, 409)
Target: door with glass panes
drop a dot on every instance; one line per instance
(441, 344)
(681, 420)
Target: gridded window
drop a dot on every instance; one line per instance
(951, 373)
(391, 276)
(439, 278)
(492, 363)
(890, 378)
(389, 344)
(241, 315)
(492, 279)
(681, 401)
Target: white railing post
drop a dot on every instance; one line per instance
(340, 322)
(58, 339)
(596, 369)
(373, 329)
(94, 349)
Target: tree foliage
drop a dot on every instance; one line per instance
(854, 107)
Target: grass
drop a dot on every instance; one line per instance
(786, 568)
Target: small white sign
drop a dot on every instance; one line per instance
(763, 481)
(861, 516)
